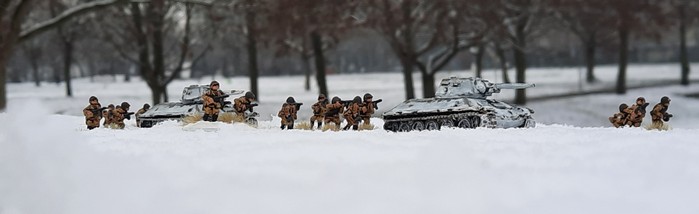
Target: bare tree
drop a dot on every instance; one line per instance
(684, 13)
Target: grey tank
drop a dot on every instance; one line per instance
(462, 103)
(191, 103)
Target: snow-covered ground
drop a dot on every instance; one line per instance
(50, 164)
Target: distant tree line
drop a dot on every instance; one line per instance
(164, 40)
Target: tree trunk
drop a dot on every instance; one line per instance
(35, 71)
(319, 61)
(67, 61)
(590, 49)
(165, 94)
(427, 84)
(307, 72)
(3, 84)
(502, 59)
(623, 59)
(252, 52)
(684, 59)
(479, 61)
(520, 58)
(408, 78)
(157, 94)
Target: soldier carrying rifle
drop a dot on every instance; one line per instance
(119, 114)
(241, 104)
(351, 114)
(288, 113)
(93, 113)
(368, 108)
(213, 102)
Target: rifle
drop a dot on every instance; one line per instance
(98, 111)
(376, 103)
(346, 103)
(250, 105)
(667, 117)
(127, 115)
(220, 98)
(298, 105)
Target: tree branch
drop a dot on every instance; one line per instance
(64, 17)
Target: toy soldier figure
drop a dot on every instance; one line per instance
(107, 114)
(659, 112)
(119, 114)
(244, 103)
(333, 111)
(319, 110)
(619, 119)
(93, 113)
(288, 113)
(351, 114)
(140, 112)
(368, 108)
(637, 112)
(213, 102)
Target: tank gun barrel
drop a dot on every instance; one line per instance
(514, 85)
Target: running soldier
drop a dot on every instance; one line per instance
(351, 114)
(119, 114)
(319, 110)
(93, 113)
(659, 112)
(637, 112)
(213, 102)
(140, 112)
(241, 104)
(288, 113)
(619, 118)
(333, 110)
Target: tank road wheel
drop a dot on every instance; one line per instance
(447, 123)
(404, 127)
(391, 126)
(469, 123)
(418, 126)
(432, 125)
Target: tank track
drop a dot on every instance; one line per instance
(486, 120)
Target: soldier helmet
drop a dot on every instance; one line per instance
(110, 106)
(357, 99)
(336, 99)
(249, 95)
(290, 100)
(367, 96)
(321, 96)
(665, 100)
(623, 107)
(641, 99)
(93, 98)
(125, 105)
(146, 106)
(213, 83)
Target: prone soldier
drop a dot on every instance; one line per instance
(213, 102)
(288, 113)
(659, 112)
(140, 112)
(368, 108)
(619, 118)
(333, 110)
(319, 109)
(637, 112)
(119, 114)
(351, 114)
(243, 103)
(93, 113)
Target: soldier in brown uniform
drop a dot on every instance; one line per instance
(637, 112)
(319, 110)
(659, 112)
(107, 114)
(213, 102)
(241, 104)
(333, 111)
(619, 118)
(139, 112)
(368, 108)
(93, 113)
(351, 114)
(288, 113)
(119, 114)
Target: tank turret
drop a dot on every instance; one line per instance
(463, 103)
(475, 88)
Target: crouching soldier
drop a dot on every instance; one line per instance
(244, 103)
(288, 113)
(140, 112)
(319, 109)
(351, 114)
(213, 102)
(93, 113)
(119, 114)
(107, 114)
(637, 112)
(619, 119)
(659, 112)
(333, 110)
